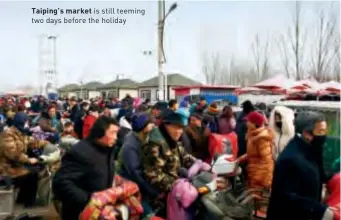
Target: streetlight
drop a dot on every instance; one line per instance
(161, 55)
(171, 8)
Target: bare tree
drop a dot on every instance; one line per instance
(227, 71)
(284, 53)
(261, 58)
(212, 68)
(242, 74)
(296, 42)
(266, 65)
(257, 56)
(337, 61)
(296, 38)
(231, 70)
(323, 52)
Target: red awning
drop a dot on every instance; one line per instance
(182, 91)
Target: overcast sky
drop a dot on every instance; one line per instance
(99, 51)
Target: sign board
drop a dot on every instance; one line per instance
(194, 92)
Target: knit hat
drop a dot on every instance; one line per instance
(20, 120)
(184, 104)
(213, 109)
(184, 114)
(140, 121)
(256, 118)
(173, 118)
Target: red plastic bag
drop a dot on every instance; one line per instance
(333, 199)
(222, 144)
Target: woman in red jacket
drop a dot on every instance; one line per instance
(90, 119)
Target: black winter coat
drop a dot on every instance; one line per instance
(120, 140)
(85, 169)
(78, 121)
(241, 130)
(297, 183)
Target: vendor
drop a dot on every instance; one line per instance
(15, 163)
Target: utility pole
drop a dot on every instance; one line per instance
(161, 13)
(163, 89)
(41, 60)
(54, 38)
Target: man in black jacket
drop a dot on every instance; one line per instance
(298, 177)
(87, 168)
(241, 128)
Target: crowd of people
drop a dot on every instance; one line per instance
(108, 143)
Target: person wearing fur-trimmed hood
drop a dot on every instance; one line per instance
(282, 123)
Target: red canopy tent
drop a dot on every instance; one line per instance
(277, 82)
(331, 86)
(306, 83)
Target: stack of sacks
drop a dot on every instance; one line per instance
(123, 201)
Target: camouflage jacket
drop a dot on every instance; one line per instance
(161, 163)
(13, 157)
